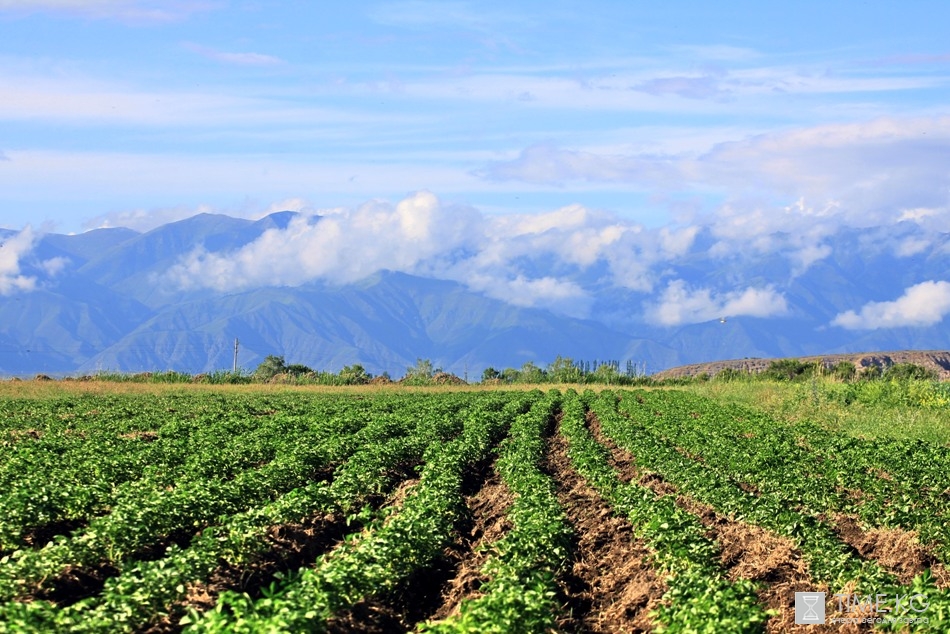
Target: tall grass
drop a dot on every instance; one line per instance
(912, 409)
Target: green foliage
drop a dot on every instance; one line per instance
(563, 370)
(271, 366)
(788, 370)
(908, 372)
(354, 375)
(844, 371)
(421, 373)
(490, 374)
(728, 375)
(165, 491)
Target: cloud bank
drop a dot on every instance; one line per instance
(548, 260)
(679, 304)
(921, 305)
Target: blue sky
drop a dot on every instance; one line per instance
(596, 132)
(127, 109)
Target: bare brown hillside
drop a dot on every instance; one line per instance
(938, 360)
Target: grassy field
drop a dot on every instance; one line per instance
(267, 508)
(908, 410)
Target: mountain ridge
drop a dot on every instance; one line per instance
(104, 300)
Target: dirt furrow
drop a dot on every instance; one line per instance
(290, 547)
(437, 591)
(896, 550)
(747, 551)
(611, 586)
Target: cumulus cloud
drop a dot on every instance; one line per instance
(15, 250)
(345, 245)
(12, 250)
(526, 260)
(679, 304)
(872, 174)
(921, 305)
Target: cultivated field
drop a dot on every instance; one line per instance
(244, 509)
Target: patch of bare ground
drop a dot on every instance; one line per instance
(290, 547)
(489, 523)
(897, 550)
(74, 584)
(746, 551)
(611, 586)
(437, 592)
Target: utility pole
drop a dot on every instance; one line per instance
(236, 344)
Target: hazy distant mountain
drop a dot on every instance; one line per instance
(101, 301)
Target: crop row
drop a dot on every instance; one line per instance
(375, 457)
(520, 594)
(697, 583)
(885, 482)
(377, 561)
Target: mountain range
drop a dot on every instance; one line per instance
(103, 301)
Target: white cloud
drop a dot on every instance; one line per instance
(527, 260)
(548, 164)
(14, 251)
(863, 173)
(912, 246)
(344, 246)
(921, 305)
(559, 295)
(679, 304)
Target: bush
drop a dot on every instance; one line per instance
(909, 372)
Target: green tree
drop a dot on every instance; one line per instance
(271, 366)
(530, 373)
(563, 370)
(606, 373)
(421, 373)
(297, 370)
(354, 375)
(786, 370)
(490, 374)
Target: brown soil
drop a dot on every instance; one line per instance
(611, 586)
(291, 546)
(146, 436)
(747, 551)
(435, 591)
(76, 583)
(489, 509)
(898, 551)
